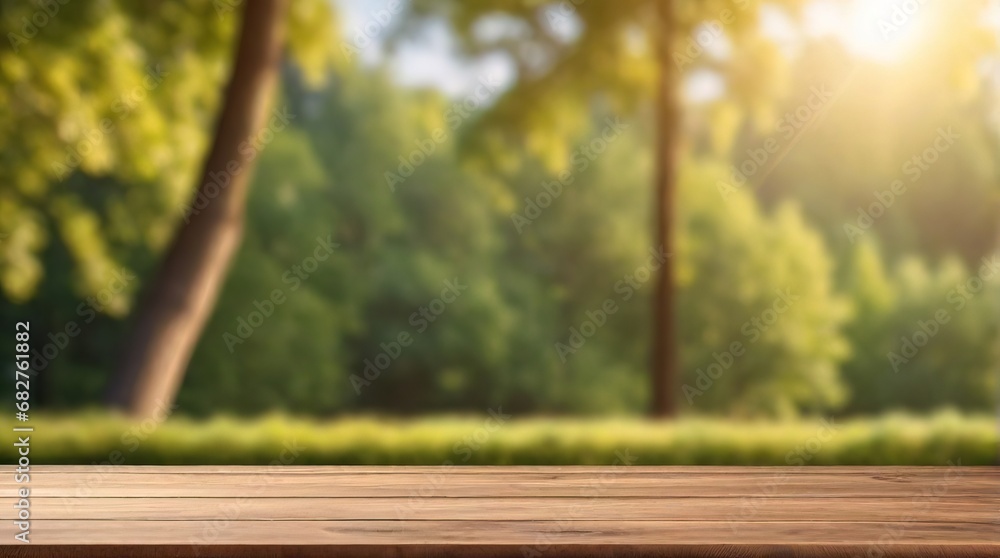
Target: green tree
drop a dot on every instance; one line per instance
(182, 293)
(394, 252)
(923, 337)
(625, 53)
(763, 320)
(123, 91)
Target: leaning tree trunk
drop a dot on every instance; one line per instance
(181, 296)
(665, 362)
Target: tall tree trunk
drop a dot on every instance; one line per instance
(181, 296)
(665, 362)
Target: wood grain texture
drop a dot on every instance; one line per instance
(658, 470)
(224, 511)
(611, 484)
(978, 510)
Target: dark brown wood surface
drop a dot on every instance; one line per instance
(505, 511)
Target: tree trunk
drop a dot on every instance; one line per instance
(665, 360)
(181, 296)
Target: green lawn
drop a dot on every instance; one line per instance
(435, 440)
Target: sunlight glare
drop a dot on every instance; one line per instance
(885, 30)
(881, 30)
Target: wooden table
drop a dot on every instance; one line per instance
(505, 511)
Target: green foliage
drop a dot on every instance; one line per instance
(733, 262)
(530, 286)
(893, 440)
(126, 92)
(325, 180)
(567, 54)
(921, 337)
(763, 283)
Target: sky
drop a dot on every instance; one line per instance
(431, 61)
(879, 30)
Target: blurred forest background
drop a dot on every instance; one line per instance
(836, 207)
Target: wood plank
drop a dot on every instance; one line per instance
(715, 550)
(612, 484)
(539, 533)
(306, 512)
(979, 510)
(692, 471)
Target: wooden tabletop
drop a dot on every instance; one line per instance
(504, 511)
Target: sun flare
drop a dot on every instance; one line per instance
(882, 30)
(885, 30)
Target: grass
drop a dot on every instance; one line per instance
(435, 440)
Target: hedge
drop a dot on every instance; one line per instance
(503, 440)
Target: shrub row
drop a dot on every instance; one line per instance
(502, 440)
